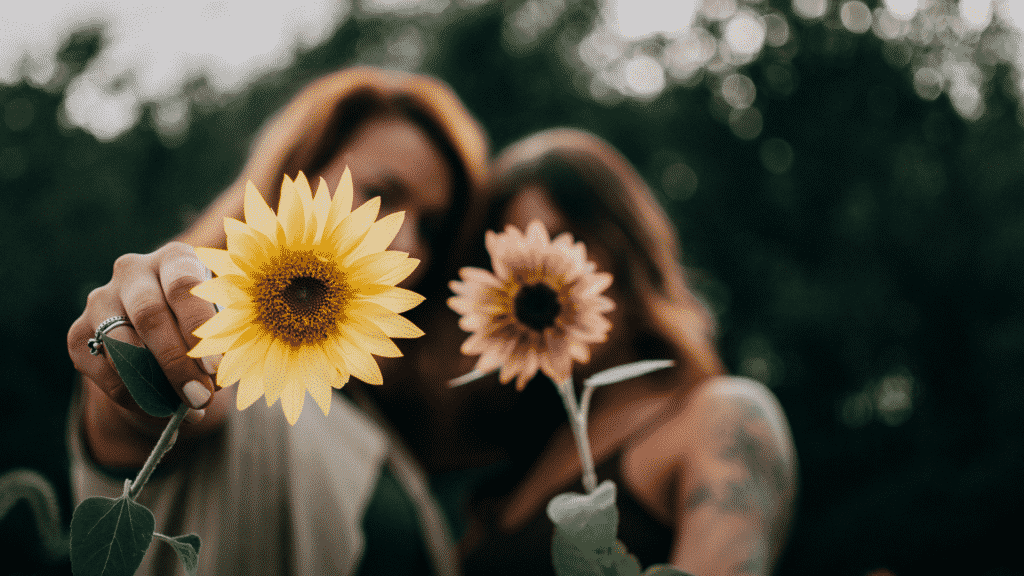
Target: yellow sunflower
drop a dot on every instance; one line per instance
(308, 294)
(541, 308)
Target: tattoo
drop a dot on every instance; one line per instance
(698, 496)
(765, 488)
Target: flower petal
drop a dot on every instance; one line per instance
(290, 213)
(243, 360)
(391, 297)
(353, 228)
(379, 236)
(321, 208)
(224, 290)
(370, 338)
(392, 324)
(374, 268)
(275, 375)
(333, 352)
(360, 364)
(257, 213)
(292, 398)
(399, 272)
(228, 320)
(529, 370)
(250, 389)
(219, 261)
(341, 203)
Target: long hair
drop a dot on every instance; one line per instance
(324, 115)
(600, 192)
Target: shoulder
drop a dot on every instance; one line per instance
(724, 423)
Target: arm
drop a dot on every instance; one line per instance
(735, 491)
(152, 290)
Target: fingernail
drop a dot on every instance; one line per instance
(195, 416)
(211, 363)
(196, 393)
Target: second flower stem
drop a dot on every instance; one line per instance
(166, 441)
(578, 424)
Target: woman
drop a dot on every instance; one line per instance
(704, 462)
(265, 497)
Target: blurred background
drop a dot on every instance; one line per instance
(847, 177)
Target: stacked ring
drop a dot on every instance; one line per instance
(106, 326)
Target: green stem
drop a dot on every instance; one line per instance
(166, 441)
(578, 424)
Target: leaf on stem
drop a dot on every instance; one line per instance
(626, 371)
(187, 547)
(466, 378)
(109, 536)
(143, 377)
(584, 543)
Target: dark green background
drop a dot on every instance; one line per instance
(894, 244)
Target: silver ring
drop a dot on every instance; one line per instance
(106, 326)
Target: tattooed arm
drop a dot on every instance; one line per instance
(736, 483)
(722, 472)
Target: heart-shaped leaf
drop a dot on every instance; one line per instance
(626, 371)
(569, 560)
(109, 536)
(590, 521)
(187, 547)
(143, 377)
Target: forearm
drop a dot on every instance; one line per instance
(119, 438)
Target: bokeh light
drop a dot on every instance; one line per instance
(745, 32)
(902, 9)
(856, 16)
(810, 9)
(634, 19)
(144, 59)
(739, 91)
(776, 155)
(644, 76)
(976, 13)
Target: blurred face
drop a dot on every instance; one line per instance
(393, 158)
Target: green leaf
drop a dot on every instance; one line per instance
(664, 570)
(584, 543)
(626, 371)
(569, 560)
(143, 377)
(187, 547)
(590, 521)
(109, 536)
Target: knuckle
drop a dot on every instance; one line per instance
(77, 334)
(190, 324)
(95, 296)
(177, 249)
(125, 263)
(149, 316)
(179, 290)
(177, 365)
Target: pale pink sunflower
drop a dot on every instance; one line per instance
(540, 309)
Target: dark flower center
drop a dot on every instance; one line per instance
(304, 295)
(300, 298)
(537, 306)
